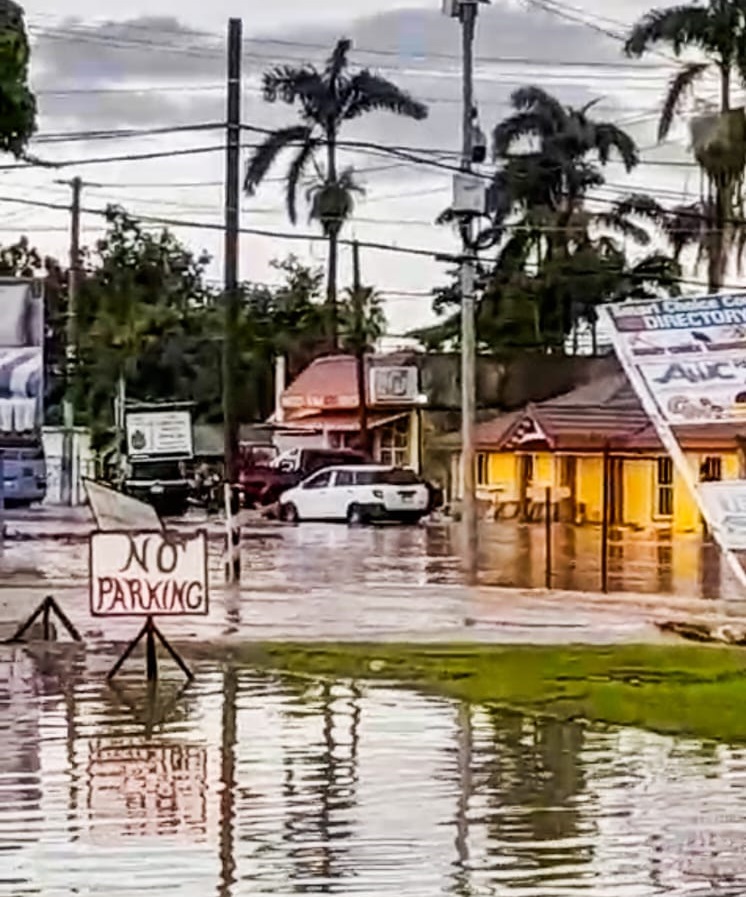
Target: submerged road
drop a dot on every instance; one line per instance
(321, 582)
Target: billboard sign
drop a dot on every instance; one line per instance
(159, 433)
(689, 352)
(393, 385)
(685, 357)
(21, 356)
(148, 574)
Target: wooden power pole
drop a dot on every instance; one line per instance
(232, 301)
(71, 354)
(359, 343)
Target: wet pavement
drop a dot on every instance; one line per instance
(258, 784)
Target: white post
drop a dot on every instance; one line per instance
(280, 381)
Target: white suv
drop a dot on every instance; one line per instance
(357, 494)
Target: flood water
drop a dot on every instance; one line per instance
(318, 555)
(259, 784)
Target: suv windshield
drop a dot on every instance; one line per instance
(157, 470)
(396, 477)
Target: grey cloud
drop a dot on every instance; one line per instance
(502, 32)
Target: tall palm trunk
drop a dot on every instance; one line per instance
(333, 238)
(718, 256)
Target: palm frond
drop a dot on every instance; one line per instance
(608, 137)
(289, 83)
(337, 62)
(536, 123)
(679, 26)
(295, 173)
(642, 206)
(681, 83)
(332, 201)
(624, 226)
(263, 157)
(367, 92)
(532, 97)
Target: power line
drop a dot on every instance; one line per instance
(370, 51)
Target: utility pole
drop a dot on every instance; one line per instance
(232, 302)
(467, 15)
(359, 324)
(71, 339)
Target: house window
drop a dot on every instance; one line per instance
(394, 444)
(482, 469)
(711, 469)
(664, 488)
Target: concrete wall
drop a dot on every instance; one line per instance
(83, 464)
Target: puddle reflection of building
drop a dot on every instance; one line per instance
(20, 761)
(535, 765)
(317, 806)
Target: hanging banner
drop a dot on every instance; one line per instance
(685, 359)
(691, 354)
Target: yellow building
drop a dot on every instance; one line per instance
(592, 445)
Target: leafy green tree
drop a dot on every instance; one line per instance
(555, 258)
(17, 102)
(327, 98)
(717, 31)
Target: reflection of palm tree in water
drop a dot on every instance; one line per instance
(331, 795)
(536, 770)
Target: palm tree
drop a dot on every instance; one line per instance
(718, 31)
(327, 99)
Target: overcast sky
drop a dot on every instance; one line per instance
(161, 64)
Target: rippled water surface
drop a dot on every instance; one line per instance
(251, 784)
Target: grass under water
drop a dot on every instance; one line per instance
(691, 690)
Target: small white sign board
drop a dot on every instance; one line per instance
(159, 433)
(148, 574)
(726, 504)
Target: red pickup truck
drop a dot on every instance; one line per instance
(263, 478)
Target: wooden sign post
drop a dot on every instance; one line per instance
(148, 575)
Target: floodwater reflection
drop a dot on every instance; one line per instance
(258, 784)
(318, 556)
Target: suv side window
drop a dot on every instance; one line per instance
(345, 478)
(320, 481)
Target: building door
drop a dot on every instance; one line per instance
(616, 490)
(568, 480)
(525, 478)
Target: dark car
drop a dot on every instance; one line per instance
(162, 484)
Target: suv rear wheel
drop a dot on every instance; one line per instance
(355, 515)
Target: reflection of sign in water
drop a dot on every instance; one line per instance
(389, 384)
(159, 433)
(147, 791)
(148, 574)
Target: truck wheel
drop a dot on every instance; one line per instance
(355, 516)
(289, 513)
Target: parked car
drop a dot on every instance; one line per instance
(264, 484)
(357, 494)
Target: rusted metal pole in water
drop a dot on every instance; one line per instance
(605, 524)
(548, 539)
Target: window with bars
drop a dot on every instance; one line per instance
(394, 444)
(664, 488)
(711, 469)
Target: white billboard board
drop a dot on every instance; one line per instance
(686, 360)
(159, 433)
